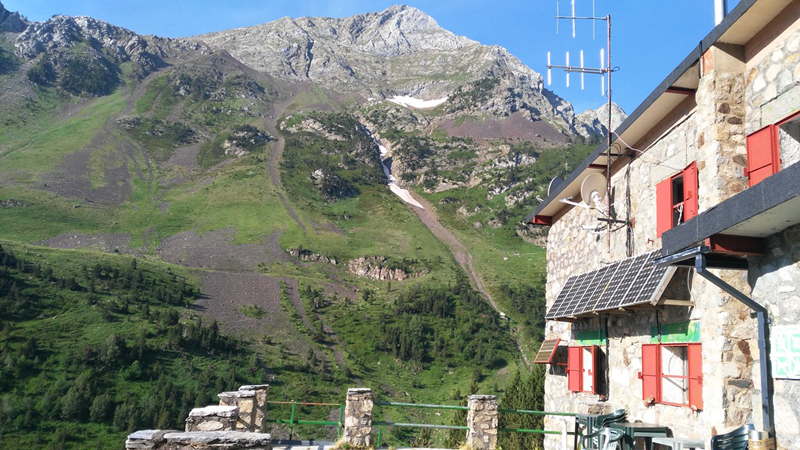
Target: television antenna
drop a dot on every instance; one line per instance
(604, 70)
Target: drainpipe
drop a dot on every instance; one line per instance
(763, 338)
(720, 10)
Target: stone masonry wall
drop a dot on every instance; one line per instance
(776, 285)
(772, 84)
(711, 133)
(773, 93)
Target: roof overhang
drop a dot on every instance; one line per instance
(761, 211)
(739, 26)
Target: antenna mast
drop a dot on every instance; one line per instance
(604, 70)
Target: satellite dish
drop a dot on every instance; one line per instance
(593, 189)
(554, 183)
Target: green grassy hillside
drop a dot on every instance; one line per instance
(146, 224)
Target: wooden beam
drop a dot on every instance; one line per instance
(680, 90)
(736, 245)
(542, 220)
(646, 306)
(672, 302)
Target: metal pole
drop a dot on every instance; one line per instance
(291, 422)
(720, 10)
(341, 420)
(608, 150)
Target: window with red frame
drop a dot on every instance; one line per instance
(764, 147)
(582, 369)
(672, 374)
(676, 199)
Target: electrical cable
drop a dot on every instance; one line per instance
(642, 152)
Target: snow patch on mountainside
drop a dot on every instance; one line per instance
(411, 102)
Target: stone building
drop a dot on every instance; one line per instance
(674, 291)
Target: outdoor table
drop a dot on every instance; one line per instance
(639, 429)
(679, 443)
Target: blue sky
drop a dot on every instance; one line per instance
(648, 37)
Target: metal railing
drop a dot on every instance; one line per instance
(535, 413)
(293, 421)
(381, 425)
(381, 431)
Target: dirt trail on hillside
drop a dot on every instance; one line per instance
(462, 255)
(275, 157)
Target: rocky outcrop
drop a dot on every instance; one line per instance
(310, 125)
(11, 22)
(307, 255)
(380, 268)
(245, 140)
(594, 122)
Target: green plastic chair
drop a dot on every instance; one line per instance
(735, 440)
(615, 417)
(603, 439)
(604, 421)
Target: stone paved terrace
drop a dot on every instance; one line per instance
(327, 446)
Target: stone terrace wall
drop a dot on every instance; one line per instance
(776, 285)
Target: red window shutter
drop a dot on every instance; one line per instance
(651, 372)
(663, 206)
(594, 369)
(574, 371)
(695, 354)
(763, 154)
(690, 204)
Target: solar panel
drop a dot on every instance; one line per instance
(650, 285)
(616, 287)
(601, 284)
(576, 303)
(560, 302)
(628, 282)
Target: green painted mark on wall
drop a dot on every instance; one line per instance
(590, 337)
(676, 332)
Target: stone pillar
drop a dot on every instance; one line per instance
(482, 422)
(212, 418)
(245, 401)
(358, 417)
(260, 407)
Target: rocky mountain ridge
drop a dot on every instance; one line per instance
(11, 22)
(595, 121)
(398, 51)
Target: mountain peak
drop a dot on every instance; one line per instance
(408, 17)
(595, 121)
(11, 22)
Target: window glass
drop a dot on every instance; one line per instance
(588, 364)
(675, 374)
(677, 201)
